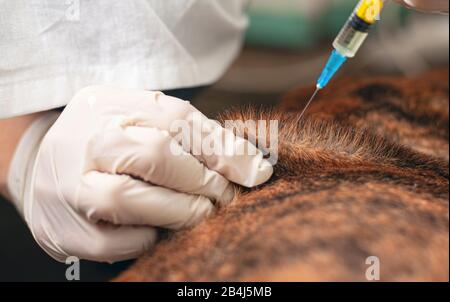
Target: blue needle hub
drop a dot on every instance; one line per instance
(334, 63)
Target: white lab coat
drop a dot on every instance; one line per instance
(49, 49)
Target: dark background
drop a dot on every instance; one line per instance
(21, 259)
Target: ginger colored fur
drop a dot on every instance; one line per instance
(364, 173)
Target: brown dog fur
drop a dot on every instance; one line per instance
(364, 173)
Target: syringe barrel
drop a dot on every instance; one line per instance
(355, 30)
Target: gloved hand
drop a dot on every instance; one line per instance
(427, 5)
(105, 174)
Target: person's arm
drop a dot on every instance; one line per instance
(11, 131)
(427, 5)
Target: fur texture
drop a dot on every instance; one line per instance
(364, 173)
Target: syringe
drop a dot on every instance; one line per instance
(349, 40)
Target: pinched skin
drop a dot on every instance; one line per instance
(409, 111)
(364, 173)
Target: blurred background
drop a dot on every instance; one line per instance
(289, 41)
(287, 45)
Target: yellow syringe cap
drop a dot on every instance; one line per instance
(369, 10)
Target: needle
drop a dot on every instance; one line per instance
(309, 102)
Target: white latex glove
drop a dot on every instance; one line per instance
(104, 174)
(427, 5)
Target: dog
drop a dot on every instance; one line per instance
(360, 192)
